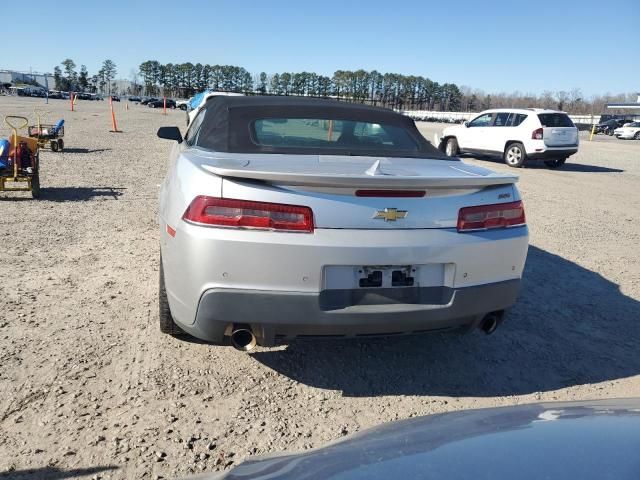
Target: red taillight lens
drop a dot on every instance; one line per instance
(224, 212)
(537, 134)
(391, 193)
(486, 217)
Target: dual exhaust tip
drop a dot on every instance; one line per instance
(243, 339)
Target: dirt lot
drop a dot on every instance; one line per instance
(90, 386)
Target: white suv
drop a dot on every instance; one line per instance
(515, 134)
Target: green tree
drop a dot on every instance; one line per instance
(83, 78)
(473, 103)
(57, 77)
(70, 75)
(262, 85)
(275, 84)
(109, 70)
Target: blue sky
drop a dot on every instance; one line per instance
(528, 46)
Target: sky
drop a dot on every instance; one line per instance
(499, 46)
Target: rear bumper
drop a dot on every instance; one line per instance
(283, 283)
(552, 153)
(275, 315)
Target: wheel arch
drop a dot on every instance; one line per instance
(510, 142)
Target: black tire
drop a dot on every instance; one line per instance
(151, 105)
(557, 163)
(61, 145)
(451, 147)
(636, 136)
(54, 146)
(515, 155)
(35, 186)
(167, 325)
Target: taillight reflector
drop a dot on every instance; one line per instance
(224, 212)
(391, 193)
(537, 134)
(487, 217)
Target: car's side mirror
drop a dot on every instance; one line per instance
(466, 124)
(170, 133)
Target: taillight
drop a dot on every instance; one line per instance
(487, 217)
(224, 212)
(537, 134)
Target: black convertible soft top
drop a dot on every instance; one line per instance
(228, 124)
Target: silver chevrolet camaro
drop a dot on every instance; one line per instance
(287, 217)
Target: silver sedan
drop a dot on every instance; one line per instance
(283, 217)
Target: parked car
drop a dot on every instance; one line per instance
(145, 101)
(287, 216)
(182, 104)
(628, 131)
(607, 127)
(554, 441)
(160, 103)
(134, 99)
(115, 98)
(516, 135)
(197, 101)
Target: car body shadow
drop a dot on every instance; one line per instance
(574, 167)
(85, 150)
(537, 164)
(65, 194)
(54, 473)
(570, 326)
(80, 194)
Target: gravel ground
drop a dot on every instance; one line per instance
(91, 388)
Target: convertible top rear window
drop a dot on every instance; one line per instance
(329, 133)
(309, 126)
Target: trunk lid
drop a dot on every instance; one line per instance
(328, 185)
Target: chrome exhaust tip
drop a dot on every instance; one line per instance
(490, 322)
(242, 338)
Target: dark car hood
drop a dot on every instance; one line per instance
(594, 440)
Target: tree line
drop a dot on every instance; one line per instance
(389, 89)
(68, 79)
(392, 90)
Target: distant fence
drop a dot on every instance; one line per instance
(459, 117)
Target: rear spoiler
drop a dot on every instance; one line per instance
(467, 180)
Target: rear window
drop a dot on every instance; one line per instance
(316, 133)
(555, 120)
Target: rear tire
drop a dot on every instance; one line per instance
(636, 136)
(515, 155)
(557, 163)
(451, 148)
(54, 146)
(167, 325)
(35, 186)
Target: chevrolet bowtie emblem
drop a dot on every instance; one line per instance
(390, 214)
